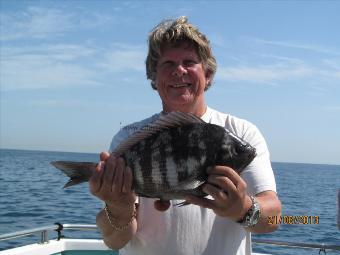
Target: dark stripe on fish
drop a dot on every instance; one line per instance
(163, 167)
(145, 162)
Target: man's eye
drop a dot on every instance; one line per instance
(189, 62)
(167, 63)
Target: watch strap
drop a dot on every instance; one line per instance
(253, 214)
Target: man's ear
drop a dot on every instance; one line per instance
(208, 77)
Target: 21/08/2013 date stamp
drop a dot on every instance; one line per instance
(293, 219)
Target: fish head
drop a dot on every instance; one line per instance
(235, 153)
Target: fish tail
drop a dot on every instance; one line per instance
(77, 171)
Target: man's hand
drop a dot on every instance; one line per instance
(112, 182)
(230, 198)
(229, 192)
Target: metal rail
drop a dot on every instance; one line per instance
(83, 227)
(28, 232)
(321, 247)
(44, 230)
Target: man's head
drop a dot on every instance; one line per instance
(174, 33)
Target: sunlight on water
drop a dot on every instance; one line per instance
(32, 196)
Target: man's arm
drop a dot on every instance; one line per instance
(112, 184)
(113, 238)
(270, 206)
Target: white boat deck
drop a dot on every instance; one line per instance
(66, 246)
(56, 247)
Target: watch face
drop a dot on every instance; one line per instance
(253, 215)
(256, 215)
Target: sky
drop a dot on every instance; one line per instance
(72, 73)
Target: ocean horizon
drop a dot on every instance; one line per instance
(97, 153)
(31, 196)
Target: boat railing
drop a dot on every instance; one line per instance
(322, 247)
(43, 231)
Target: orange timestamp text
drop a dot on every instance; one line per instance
(293, 219)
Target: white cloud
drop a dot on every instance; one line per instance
(337, 74)
(334, 108)
(35, 22)
(273, 66)
(62, 52)
(122, 60)
(38, 71)
(45, 23)
(303, 46)
(332, 63)
(66, 103)
(45, 66)
(65, 65)
(268, 74)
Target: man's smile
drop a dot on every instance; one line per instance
(180, 85)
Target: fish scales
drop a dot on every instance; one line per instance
(151, 154)
(162, 165)
(176, 145)
(169, 157)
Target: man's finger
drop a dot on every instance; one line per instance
(96, 179)
(225, 171)
(223, 183)
(217, 193)
(109, 172)
(104, 156)
(127, 183)
(118, 178)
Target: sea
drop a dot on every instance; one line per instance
(32, 195)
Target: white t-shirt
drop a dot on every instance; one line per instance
(192, 230)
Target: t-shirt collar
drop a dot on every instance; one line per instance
(207, 115)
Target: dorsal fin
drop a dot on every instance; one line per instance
(165, 121)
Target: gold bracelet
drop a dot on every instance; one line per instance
(112, 219)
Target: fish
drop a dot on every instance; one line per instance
(170, 156)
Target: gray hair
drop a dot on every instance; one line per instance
(173, 32)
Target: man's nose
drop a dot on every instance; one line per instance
(180, 70)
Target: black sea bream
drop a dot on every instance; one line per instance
(169, 157)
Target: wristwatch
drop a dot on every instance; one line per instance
(252, 216)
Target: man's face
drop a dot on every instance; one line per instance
(181, 79)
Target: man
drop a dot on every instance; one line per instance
(181, 68)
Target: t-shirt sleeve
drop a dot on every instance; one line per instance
(118, 138)
(128, 130)
(258, 174)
